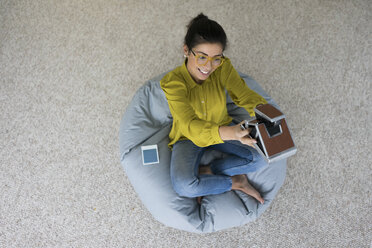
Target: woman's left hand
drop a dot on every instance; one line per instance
(243, 135)
(237, 133)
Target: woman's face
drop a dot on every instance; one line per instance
(199, 72)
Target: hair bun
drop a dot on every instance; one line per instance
(199, 17)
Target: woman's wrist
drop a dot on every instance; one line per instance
(227, 132)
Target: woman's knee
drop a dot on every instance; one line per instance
(260, 162)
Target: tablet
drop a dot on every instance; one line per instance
(150, 154)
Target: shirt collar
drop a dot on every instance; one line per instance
(186, 75)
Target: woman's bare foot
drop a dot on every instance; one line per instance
(240, 182)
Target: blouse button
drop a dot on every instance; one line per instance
(202, 101)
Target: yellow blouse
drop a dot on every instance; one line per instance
(199, 110)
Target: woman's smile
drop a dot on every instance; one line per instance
(205, 73)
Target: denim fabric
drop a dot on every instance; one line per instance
(185, 161)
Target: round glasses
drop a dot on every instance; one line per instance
(202, 60)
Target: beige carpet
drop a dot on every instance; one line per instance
(68, 69)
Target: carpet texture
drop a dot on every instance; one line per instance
(68, 69)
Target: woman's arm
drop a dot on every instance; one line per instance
(238, 90)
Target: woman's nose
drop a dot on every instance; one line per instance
(208, 65)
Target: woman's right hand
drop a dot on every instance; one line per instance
(236, 133)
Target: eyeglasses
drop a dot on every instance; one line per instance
(202, 60)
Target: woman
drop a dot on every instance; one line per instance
(196, 96)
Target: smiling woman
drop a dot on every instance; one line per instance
(203, 65)
(196, 96)
(193, 115)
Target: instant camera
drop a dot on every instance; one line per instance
(274, 140)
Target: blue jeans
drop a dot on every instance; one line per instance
(185, 160)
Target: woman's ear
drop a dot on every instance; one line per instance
(185, 50)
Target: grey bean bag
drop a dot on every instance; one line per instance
(147, 121)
